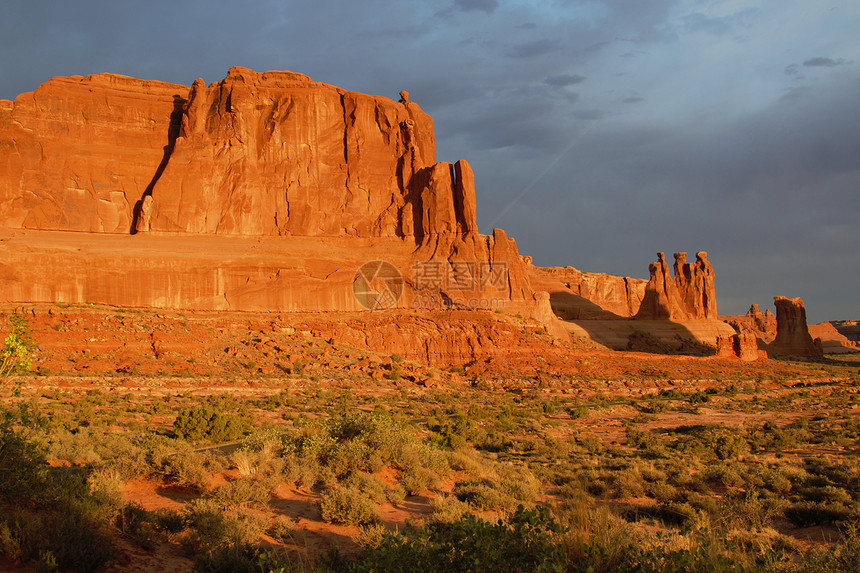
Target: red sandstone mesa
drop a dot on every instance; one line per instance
(256, 155)
(270, 153)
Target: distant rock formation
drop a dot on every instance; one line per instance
(743, 345)
(850, 329)
(609, 296)
(756, 314)
(833, 341)
(661, 299)
(688, 295)
(763, 325)
(792, 332)
(696, 285)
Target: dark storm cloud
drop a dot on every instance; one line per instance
(435, 95)
(590, 114)
(564, 80)
(825, 62)
(488, 6)
(533, 49)
(524, 118)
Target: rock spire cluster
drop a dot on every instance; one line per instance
(689, 294)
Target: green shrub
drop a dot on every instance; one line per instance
(720, 441)
(168, 520)
(281, 528)
(417, 480)
(106, 482)
(656, 407)
(453, 434)
(370, 536)
(577, 412)
(448, 509)
(207, 527)
(204, 422)
(347, 505)
(359, 442)
(518, 482)
(23, 470)
(240, 558)
(524, 541)
(68, 539)
(209, 530)
(139, 524)
(677, 514)
(751, 510)
(240, 492)
(724, 475)
(57, 520)
(188, 468)
(483, 494)
(844, 557)
(809, 513)
(376, 490)
(641, 440)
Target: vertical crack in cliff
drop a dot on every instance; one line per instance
(172, 133)
(349, 121)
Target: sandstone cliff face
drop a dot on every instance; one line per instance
(276, 153)
(690, 294)
(79, 152)
(792, 332)
(254, 156)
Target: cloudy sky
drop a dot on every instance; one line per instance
(600, 131)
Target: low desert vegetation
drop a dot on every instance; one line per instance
(647, 473)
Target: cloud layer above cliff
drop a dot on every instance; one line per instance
(600, 131)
